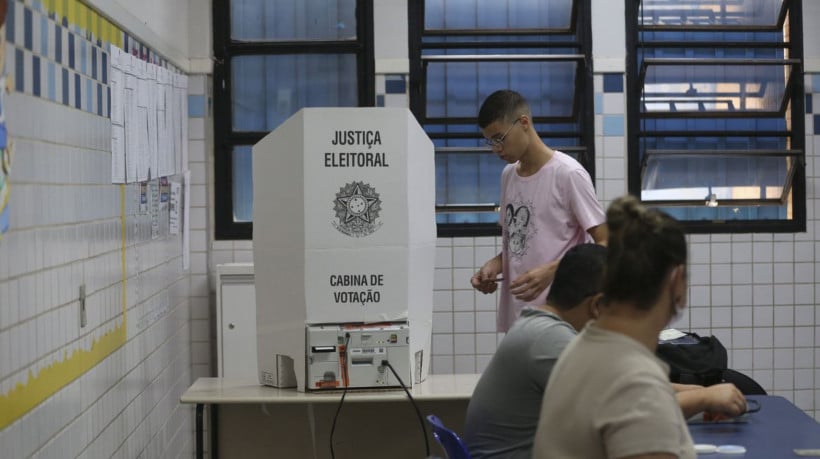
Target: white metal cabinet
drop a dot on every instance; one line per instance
(236, 321)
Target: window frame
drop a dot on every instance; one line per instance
(225, 139)
(796, 115)
(580, 25)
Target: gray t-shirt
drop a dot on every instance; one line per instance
(610, 397)
(503, 411)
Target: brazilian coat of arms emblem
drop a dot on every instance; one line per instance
(357, 207)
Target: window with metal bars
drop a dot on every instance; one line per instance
(461, 52)
(274, 57)
(715, 105)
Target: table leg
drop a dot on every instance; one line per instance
(200, 453)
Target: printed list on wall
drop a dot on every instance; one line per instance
(149, 119)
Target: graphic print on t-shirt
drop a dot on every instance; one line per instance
(518, 216)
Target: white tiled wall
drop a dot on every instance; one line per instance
(67, 230)
(756, 292)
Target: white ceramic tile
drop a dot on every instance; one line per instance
(783, 316)
(461, 278)
(700, 318)
(485, 343)
(762, 252)
(463, 322)
(613, 146)
(463, 258)
(721, 295)
(442, 364)
(784, 251)
(613, 103)
(484, 253)
(803, 315)
(741, 359)
(763, 337)
(196, 130)
(442, 300)
(196, 84)
(219, 257)
(763, 295)
(464, 343)
(783, 379)
(804, 272)
(442, 344)
(803, 358)
(615, 168)
(243, 256)
(783, 273)
(722, 317)
(444, 257)
(784, 294)
(486, 302)
(699, 296)
(762, 273)
(243, 245)
(699, 274)
(464, 364)
(699, 253)
(721, 252)
(741, 252)
(463, 242)
(442, 322)
(443, 279)
(199, 263)
(742, 295)
(763, 316)
(485, 321)
(763, 358)
(803, 379)
(803, 337)
(721, 274)
(444, 242)
(463, 300)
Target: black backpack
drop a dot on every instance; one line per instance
(694, 359)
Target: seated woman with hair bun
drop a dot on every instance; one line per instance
(609, 396)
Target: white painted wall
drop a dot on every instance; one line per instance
(608, 36)
(160, 24)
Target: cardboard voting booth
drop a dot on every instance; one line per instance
(344, 234)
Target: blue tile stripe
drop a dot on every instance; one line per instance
(395, 84)
(60, 62)
(196, 106)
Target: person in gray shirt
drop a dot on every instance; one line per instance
(503, 412)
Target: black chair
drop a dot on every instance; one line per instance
(745, 384)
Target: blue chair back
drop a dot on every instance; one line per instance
(453, 446)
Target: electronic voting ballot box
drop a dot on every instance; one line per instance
(344, 249)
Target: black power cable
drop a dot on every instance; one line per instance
(418, 413)
(344, 392)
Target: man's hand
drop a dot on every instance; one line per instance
(485, 280)
(717, 402)
(529, 285)
(723, 401)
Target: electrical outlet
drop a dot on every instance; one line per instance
(82, 306)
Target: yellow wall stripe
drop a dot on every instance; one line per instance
(24, 397)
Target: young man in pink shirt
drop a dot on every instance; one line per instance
(548, 205)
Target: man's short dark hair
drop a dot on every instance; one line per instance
(580, 274)
(503, 105)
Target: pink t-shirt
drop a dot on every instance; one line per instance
(542, 216)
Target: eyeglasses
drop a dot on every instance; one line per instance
(498, 141)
